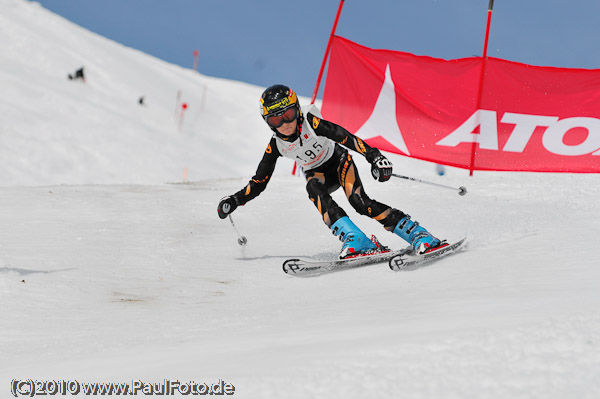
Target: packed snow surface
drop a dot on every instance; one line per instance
(114, 266)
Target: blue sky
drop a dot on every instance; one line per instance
(265, 42)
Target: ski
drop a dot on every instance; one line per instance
(312, 268)
(411, 261)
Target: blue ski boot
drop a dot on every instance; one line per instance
(355, 241)
(421, 240)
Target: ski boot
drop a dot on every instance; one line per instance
(355, 241)
(420, 239)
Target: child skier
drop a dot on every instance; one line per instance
(318, 147)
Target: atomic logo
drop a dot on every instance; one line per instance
(524, 126)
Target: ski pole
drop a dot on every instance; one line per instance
(242, 240)
(462, 190)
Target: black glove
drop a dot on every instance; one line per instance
(381, 168)
(226, 206)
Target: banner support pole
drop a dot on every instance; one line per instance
(337, 17)
(314, 96)
(482, 78)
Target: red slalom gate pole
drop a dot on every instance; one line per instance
(314, 96)
(337, 18)
(482, 78)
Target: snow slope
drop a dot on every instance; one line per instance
(113, 270)
(97, 132)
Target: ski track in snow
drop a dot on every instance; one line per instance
(149, 278)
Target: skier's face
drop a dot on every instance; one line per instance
(288, 129)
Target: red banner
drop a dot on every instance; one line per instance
(530, 118)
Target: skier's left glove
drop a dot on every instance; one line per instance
(381, 167)
(226, 206)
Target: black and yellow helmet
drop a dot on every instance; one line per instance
(279, 104)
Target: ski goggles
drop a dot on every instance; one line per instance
(278, 119)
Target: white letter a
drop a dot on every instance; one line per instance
(487, 136)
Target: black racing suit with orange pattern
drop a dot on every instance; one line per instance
(338, 171)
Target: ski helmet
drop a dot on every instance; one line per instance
(278, 105)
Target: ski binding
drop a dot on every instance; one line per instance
(410, 260)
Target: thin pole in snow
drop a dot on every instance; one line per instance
(177, 103)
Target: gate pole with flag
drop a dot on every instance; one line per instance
(482, 77)
(337, 17)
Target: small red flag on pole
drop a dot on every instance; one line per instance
(196, 60)
(184, 106)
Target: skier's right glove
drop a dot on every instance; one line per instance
(226, 206)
